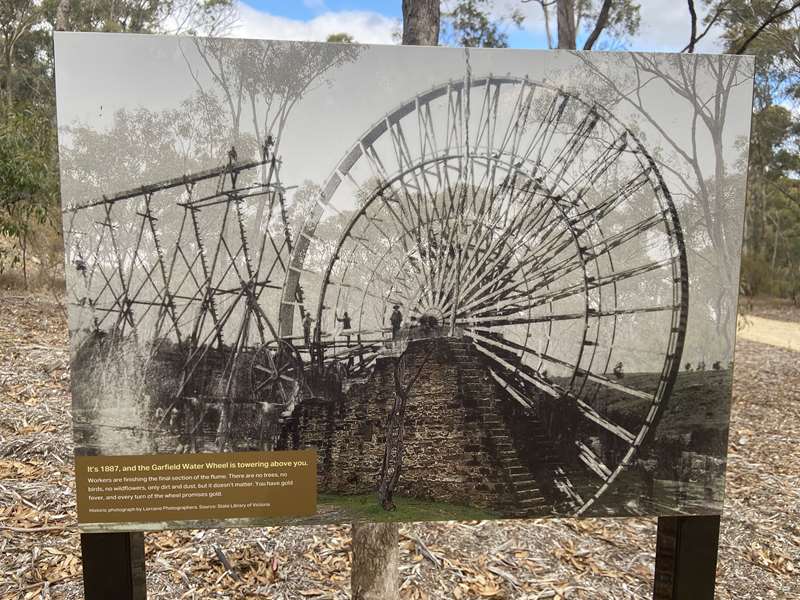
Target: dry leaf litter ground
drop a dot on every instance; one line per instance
(596, 558)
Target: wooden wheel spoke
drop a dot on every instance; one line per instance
(592, 461)
(492, 203)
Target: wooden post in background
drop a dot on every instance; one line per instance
(113, 566)
(686, 558)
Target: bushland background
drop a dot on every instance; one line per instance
(30, 221)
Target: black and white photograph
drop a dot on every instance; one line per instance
(479, 284)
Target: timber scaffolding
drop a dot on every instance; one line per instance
(190, 293)
(124, 296)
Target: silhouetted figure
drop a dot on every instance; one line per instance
(80, 265)
(316, 352)
(172, 424)
(232, 156)
(717, 366)
(307, 320)
(618, 371)
(268, 144)
(187, 439)
(396, 320)
(345, 321)
(688, 367)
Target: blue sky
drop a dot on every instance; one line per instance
(307, 9)
(665, 23)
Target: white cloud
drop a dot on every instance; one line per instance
(533, 22)
(665, 25)
(366, 27)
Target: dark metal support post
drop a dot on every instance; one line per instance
(686, 558)
(113, 566)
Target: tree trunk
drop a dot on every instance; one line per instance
(393, 451)
(24, 246)
(9, 78)
(546, 13)
(599, 26)
(62, 15)
(776, 223)
(421, 22)
(376, 556)
(567, 38)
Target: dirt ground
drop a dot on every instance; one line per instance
(769, 331)
(593, 558)
(770, 308)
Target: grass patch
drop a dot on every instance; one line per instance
(365, 507)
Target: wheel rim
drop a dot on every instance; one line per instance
(276, 373)
(535, 219)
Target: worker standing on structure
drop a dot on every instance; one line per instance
(265, 149)
(307, 320)
(346, 324)
(396, 320)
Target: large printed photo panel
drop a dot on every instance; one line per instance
(409, 283)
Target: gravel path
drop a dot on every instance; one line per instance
(783, 334)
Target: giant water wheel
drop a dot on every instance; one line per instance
(527, 220)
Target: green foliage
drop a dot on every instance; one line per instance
(28, 158)
(774, 140)
(141, 16)
(28, 166)
(365, 507)
(28, 183)
(340, 38)
(134, 16)
(771, 259)
(25, 161)
(623, 20)
(472, 24)
(776, 49)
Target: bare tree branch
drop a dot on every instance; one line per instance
(694, 39)
(773, 17)
(545, 4)
(693, 34)
(784, 191)
(600, 25)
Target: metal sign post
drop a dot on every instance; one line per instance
(113, 566)
(686, 558)
(686, 561)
